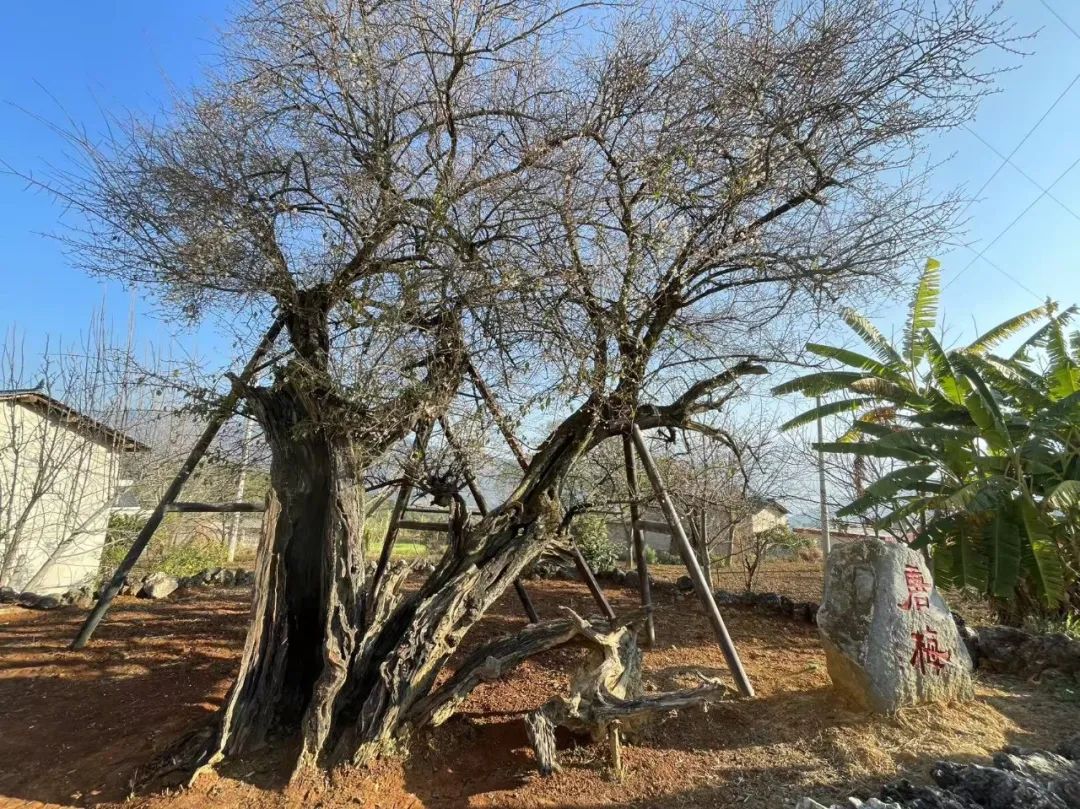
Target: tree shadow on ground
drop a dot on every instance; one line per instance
(77, 726)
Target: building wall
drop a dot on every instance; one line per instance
(56, 484)
(767, 519)
(619, 530)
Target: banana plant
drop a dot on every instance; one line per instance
(986, 448)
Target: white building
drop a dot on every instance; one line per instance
(728, 533)
(58, 476)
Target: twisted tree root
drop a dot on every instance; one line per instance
(606, 696)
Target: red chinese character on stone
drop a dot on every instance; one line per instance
(918, 589)
(928, 652)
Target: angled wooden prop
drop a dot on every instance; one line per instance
(481, 506)
(580, 562)
(697, 576)
(220, 416)
(638, 535)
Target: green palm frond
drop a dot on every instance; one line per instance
(1045, 561)
(982, 405)
(853, 359)
(1023, 353)
(869, 449)
(876, 422)
(828, 409)
(1063, 367)
(1002, 538)
(923, 312)
(819, 383)
(941, 366)
(991, 338)
(897, 393)
(970, 563)
(873, 338)
(1004, 377)
(1064, 496)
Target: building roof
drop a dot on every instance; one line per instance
(37, 399)
(762, 503)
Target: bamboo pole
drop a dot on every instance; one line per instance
(693, 568)
(638, 537)
(221, 414)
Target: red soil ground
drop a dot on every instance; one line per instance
(76, 727)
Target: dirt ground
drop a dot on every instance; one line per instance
(75, 727)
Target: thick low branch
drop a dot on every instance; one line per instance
(606, 695)
(497, 658)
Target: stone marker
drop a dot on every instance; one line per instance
(889, 637)
(158, 585)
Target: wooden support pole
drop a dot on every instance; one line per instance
(421, 525)
(526, 601)
(423, 433)
(580, 562)
(615, 746)
(693, 568)
(220, 416)
(482, 508)
(638, 535)
(589, 578)
(500, 418)
(703, 544)
(215, 508)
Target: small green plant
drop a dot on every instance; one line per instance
(119, 537)
(590, 531)
(667, 558)
(410, 550)
(375, 527)
(191, 558)
(182, 559)
(1068, 624)
(766, 543)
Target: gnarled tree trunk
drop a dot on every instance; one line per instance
(343, 663)
(307, 598)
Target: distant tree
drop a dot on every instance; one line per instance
(762, 544)
(57, 480)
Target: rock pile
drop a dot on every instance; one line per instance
(803, 611)
(1026, 654)
(155, 585)
(1017, 779)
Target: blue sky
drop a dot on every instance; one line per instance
(112, 54)
(86, 56)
